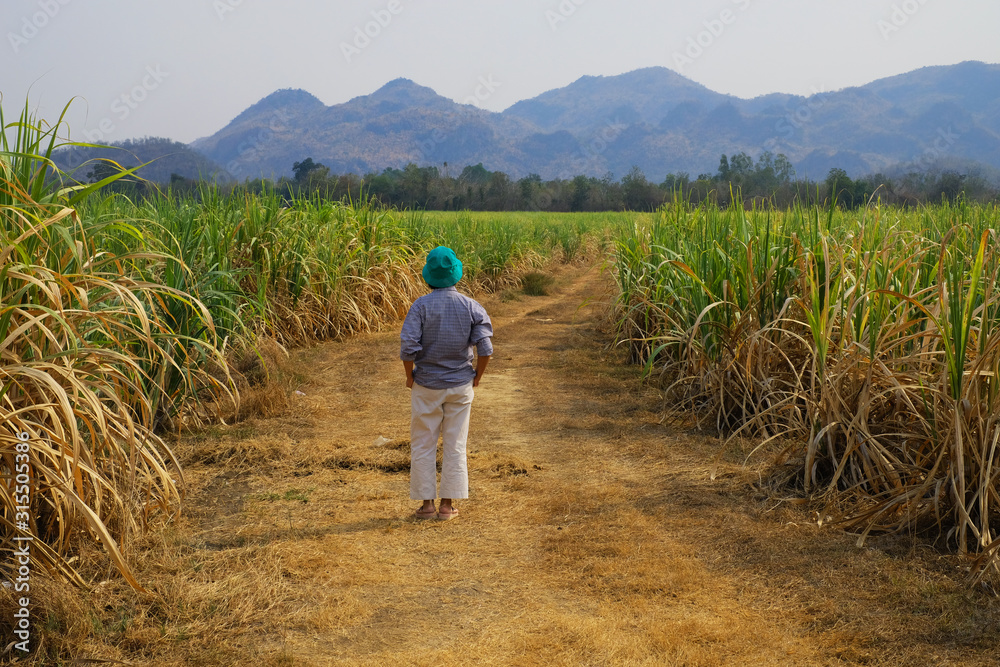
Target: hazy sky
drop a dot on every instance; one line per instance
(184, 68)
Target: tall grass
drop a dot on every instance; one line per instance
(120, 318)
(870, 339)
(312, 269)
(86, 342)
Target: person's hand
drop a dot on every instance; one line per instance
(481, 363)
(409, 382)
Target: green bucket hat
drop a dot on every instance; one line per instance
(443, 268)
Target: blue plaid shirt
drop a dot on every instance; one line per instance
(439, 333)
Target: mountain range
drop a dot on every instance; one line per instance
(652, 118)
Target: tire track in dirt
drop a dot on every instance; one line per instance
(566, 552)
(594, 535)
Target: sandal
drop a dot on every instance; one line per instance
(425, 514)
(448, 516)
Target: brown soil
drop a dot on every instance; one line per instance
(595, 535)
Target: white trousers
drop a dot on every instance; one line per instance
(445, 413)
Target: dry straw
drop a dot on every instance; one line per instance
(87, 362)
(870, 339)
(121, 318)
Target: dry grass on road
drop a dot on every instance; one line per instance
(594, 535)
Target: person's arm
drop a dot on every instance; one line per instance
(410, 336)
(481, 363)
(481, 337)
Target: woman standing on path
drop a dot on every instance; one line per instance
(439, 334)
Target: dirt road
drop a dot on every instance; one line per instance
(594, 534)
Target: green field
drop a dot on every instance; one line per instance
(122, 320)
(865, 342)
(868, 340)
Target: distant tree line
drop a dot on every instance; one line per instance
(768, 181)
